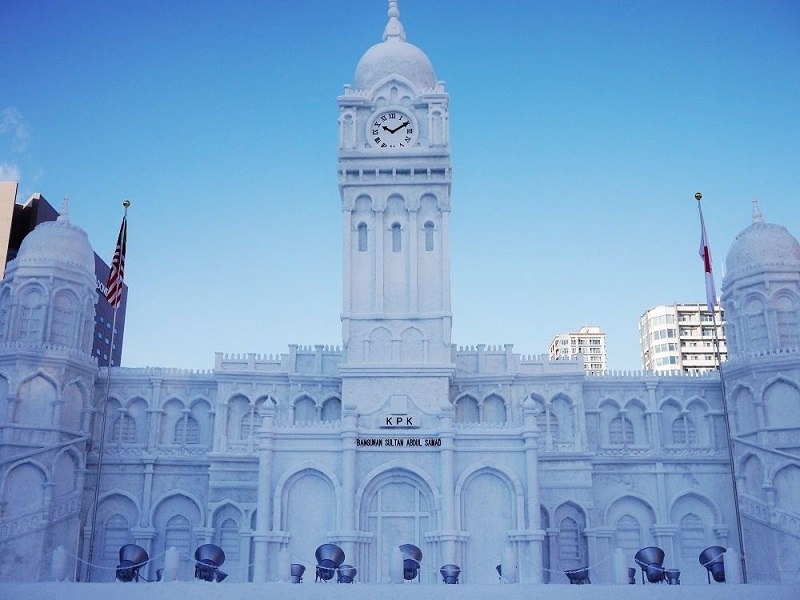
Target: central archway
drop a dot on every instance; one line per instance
(397, 507)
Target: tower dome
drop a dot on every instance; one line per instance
(57, 242)
(394, 56)
(762, 247)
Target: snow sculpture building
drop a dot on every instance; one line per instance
(479, 456)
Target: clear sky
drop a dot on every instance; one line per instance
(580, 132)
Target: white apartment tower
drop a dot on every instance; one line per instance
(590, 342)
(681, 338)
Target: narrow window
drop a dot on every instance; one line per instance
(396, 246)
(428, 236)
(362, 237)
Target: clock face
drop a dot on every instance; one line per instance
(392, 129)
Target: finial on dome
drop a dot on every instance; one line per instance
(64, 214)
(757, 216)
(394, 28)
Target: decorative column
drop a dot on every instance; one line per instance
(664, 535)
(261, 538)
(348, 535)
(379, 227)
(531, 569)
(447, 454)
(593, 557)
(147, 490)
(413, 259)
(144, 536)
(652, 415)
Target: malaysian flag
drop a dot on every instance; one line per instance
(116, 279)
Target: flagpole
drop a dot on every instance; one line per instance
(718, 356)
(118, 262)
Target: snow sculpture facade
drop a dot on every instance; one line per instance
(478, 456)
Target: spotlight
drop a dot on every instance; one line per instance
(209, 557)
(579, 576)
(711, 559)
(346, 574)
(651, 559)
(297, 572)
(412, 556)
(673, 576)
(131, 559)
(450, 573)
(329, 557)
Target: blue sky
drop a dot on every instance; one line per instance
(580, 132)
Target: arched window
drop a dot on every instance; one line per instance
(568, 539)
(396, 242)
(786, 318)
(248, 426)
(428, 236)
(620, 431)
(4, 312)
(30, 320)
(756, 323)
(178, 534)
(332, 410)
(63, 316)
(683, 431)
(124, 429)
(362, 237)
(229, 539)
(187, 430)
(692, 536)
(305, 411)
(547, 422)
(115, 534)
(629, 535)
(467, 410)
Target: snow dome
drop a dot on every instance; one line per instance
(394, 56)
(57, 242)
(762, 246)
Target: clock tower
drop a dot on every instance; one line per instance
(394, 179)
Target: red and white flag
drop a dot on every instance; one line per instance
(116, 278)
(705, 254)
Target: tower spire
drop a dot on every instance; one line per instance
(64, 214)
(757, 216)
(394, 28)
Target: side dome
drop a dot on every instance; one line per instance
(57, 243)
(394, 56)
(762, 246)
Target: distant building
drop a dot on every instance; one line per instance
(589, 341)
(680, 338)
(16, 222)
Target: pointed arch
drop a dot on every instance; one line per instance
(494, 409)
(305, 409)
(466, 409)
(781, 400)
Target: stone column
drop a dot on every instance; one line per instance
(261, 538)
(448, 525)
(347, 518)
(531, 570)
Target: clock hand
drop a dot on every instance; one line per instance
(399, 127)
(387, 129)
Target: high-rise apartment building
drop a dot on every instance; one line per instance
(681, 338)
(589, 341)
